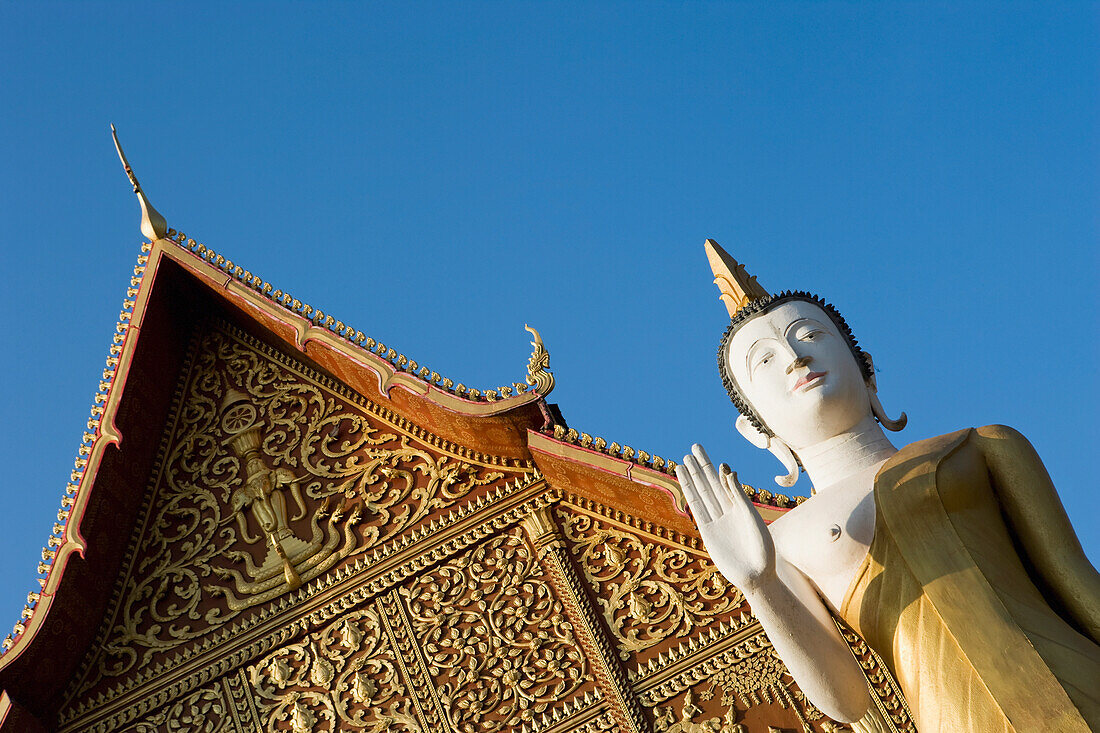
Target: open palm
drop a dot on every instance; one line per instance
(734, 533)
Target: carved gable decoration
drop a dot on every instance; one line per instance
(271, 477)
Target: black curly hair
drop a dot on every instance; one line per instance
(760, 306)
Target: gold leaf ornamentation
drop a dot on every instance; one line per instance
(270, 478)
(343, 677)
(203, 711)
(538, 366)
(756, 678)
(648, 592)
(495, 638)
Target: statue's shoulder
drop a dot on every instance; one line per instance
(992, 444)
(989, 437)
(1001, 434)
(929, 448)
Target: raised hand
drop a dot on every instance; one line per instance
(783, 599)
(734, 533)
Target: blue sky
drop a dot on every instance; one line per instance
(438, 175)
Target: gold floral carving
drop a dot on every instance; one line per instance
(271, 478)
(343, 677)
(609, 676)
(495, 638)
(756, 677)
(203, 711)
(668, 721)
(648, 592)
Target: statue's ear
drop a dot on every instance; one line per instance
(876, 404)
(750, 433)
(872, 383)
(777, 447)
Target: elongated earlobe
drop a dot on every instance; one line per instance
(773, 445)
(750, 433)
(783, 452)
(877, 410)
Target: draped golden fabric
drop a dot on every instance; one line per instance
(975, 591)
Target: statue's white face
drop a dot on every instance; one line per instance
(797, 372)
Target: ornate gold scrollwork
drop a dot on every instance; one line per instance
(203, 711)
(276, 457)
(495, 638)
(755, 676)
(647, 592)
(343, 677)
(666, 720)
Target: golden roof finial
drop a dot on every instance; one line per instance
(538, 366)
(735, 286)
(153, 225)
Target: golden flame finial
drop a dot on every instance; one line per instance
(153, 225)
(538, 366)
(736, 287)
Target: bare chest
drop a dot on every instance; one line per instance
(827, 537)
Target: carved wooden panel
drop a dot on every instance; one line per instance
(696, 657)
(653, 592)
(341, 677)
(270, 477)
(497, 643)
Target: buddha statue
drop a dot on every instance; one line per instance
(952, 556)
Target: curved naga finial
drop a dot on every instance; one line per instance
(153, 225)
(538, 365)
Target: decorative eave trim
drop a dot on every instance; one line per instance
(393, 368)
(99, 434)
(641, 467)
(595, 452)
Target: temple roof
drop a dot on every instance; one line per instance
(177, 283)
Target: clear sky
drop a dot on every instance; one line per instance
(438, 175)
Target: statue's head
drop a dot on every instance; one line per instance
(791, 366)
(793, 369)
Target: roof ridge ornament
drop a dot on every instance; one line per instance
(735, 286)
(153, 225)
(538, 374)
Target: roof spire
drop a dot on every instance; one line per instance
(153, 225)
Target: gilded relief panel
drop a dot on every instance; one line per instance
(271, 476)
(205, 710)
(342, 677)
(695, 655)
(653, 592)
(494, 638)
(742, 688)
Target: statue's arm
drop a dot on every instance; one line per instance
(782, 598)
(1036, 516)
(806, 638)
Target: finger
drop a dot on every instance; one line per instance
(724, 473)
(695, 504)
(712, 485)
(742, 500)
(703, 483)
(735, 490)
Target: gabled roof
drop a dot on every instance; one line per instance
(179, 284)
(176, 283)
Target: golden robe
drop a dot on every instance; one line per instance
(975, 591)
